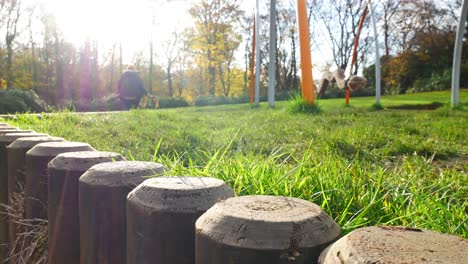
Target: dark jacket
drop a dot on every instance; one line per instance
(131, 86)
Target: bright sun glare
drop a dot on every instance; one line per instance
(115, 21)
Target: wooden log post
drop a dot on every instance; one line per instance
(5, 140)
(16, 154)
(263, 230)
(64, 223)
(161, 215)
(6, 125)
(103, 191)
(4, 130)
(396, 244)
(37, 158)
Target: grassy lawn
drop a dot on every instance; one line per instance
(364, 167)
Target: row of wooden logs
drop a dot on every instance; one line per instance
(102, 209)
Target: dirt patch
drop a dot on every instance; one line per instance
(431, 106)
(456, 163)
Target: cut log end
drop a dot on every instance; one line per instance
(396, 244)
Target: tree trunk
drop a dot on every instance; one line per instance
(221, 78)
(212, 80)
(294, 63)
(111, 82)
(59, 89)
(170, 90)
(9, 62)
(150, 74)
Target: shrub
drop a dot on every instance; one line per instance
(334, 92)
(437, 82)
(20, 101)
(419, 85)
(219, 100)
(441, 81)
(169, 102)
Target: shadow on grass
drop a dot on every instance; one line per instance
(431, 106)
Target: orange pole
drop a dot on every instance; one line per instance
(252, 65)
(356, 40)
(348, 95)
(356, 45)
(306, 61)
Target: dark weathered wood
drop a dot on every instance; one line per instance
(5, 125)
(263, 230)
(103, 191)
(161, 215)
(64, 223)
(396, 244)
(4, 130)
(16, 154)
(36, 188)
(5, 140)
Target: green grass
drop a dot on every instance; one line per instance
(363, 166)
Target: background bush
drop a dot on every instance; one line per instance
(219, 100)
(334, 92)
(21, 101)
(168, 102)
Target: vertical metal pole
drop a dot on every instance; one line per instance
(457, 55)
(150, 73)
(306, 61)
(257, 55)
(252, 66)
(377, 56)
(272, 63)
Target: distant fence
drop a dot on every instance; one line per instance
(100, 208)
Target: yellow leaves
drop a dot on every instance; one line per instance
(423, 56)
(3, 84)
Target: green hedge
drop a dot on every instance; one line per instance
(170, 102)
(21, 101)
(219, 100)
(335, 92)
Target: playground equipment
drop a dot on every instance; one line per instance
(252, 63)
(306, 64)
(257, 55)
(355, 83)
(306, 60)
(271, 64)
(457, 55)
(351, 84)
(154, 102)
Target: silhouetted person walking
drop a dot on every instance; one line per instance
(131, 88)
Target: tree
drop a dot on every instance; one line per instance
(32, 44)
(52, 78)
(286, 65)
(181, 63)
(215, 21)
(389, 9)
(227, 48)
(11, 33)
(341, 18)
(171, 52)
(247, 23)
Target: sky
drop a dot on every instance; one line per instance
(113, 21)
(130, 22)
